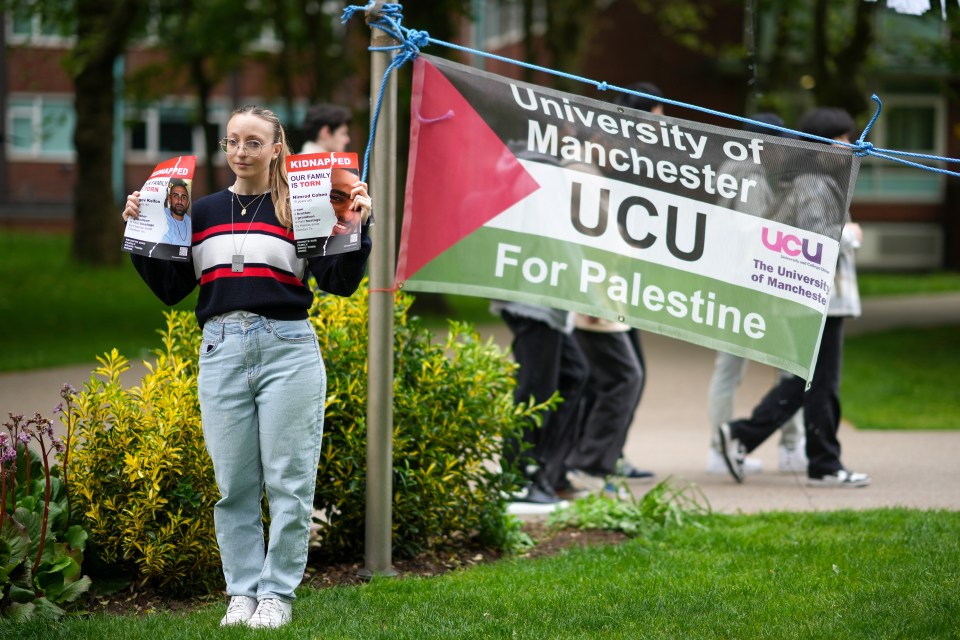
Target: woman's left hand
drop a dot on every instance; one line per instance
(361, 200)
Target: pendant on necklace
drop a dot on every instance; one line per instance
(243, 211)
(237, 264)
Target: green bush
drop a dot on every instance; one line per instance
(146, 487)
(452, 406)
(141, 476)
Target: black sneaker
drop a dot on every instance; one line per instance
(536, 494)
(732, 452)
(842, 479)
(626, 470)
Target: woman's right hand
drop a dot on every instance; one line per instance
(132, 210)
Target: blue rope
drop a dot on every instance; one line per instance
(389, 21)
(410, 41)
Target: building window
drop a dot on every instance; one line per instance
(911, 123)
(40, 127)
(24, 28)
(501, 22)
(164, 130)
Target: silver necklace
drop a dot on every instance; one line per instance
(243, 209)
(181, 224)
(236, 264)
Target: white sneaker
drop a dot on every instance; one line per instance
(842, 479)
(239, 610)
(792, 460)
(270, 614)
(584, 480)
(716, 464)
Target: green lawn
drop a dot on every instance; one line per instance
(903, 379)
(894, 284)
(890, 573)
(57, 313)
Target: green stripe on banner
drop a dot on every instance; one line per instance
(496, 263)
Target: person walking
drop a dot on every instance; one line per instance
(261, 382)
(609, 400)
(728, 368)
(821, 402)
(549, 362)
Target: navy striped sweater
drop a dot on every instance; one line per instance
(273, 281)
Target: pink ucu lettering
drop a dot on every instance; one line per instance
(792, 245)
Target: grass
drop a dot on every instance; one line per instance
(58, 313)
(876, 284)
(903, 379)
(888, 573)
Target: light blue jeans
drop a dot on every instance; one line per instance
(728, 371)
(262, 385)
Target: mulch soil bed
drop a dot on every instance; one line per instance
(548, 542)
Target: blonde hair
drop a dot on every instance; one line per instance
(279, 183)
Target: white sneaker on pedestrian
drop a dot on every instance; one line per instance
(239, 610)
(792, 460)
(842, 479)
(588, 481)
(732, 452)
(270, 614)
(716, 464)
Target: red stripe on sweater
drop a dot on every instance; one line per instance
(263, 227)
(249, 272)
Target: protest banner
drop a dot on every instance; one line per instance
(520, 192)
(324, 222)
(164, 227)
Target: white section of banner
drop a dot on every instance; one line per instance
(737, 248)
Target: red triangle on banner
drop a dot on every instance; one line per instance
(460, 175)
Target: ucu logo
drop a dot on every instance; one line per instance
(792, 245)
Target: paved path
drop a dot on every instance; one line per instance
(670, 432)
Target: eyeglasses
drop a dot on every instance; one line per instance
(251, 147)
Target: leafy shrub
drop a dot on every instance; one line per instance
(664, 505)
(144, 483)
(452, 405)
(40, 551)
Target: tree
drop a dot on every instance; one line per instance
(202, 42)
(3, 104)
(827, 45)
(103, 31)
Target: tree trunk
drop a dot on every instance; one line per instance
(569, 23)
(103, 30)
(204, 87)
(4, 186)
(840, 73)
(97, 228)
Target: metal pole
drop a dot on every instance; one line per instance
(379, 520)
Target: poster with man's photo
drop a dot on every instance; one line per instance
(325, 221)
(164, 228)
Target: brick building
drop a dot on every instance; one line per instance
(908, 215)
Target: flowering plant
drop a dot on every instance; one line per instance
(40, 551)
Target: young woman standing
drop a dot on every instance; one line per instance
(262, 381)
